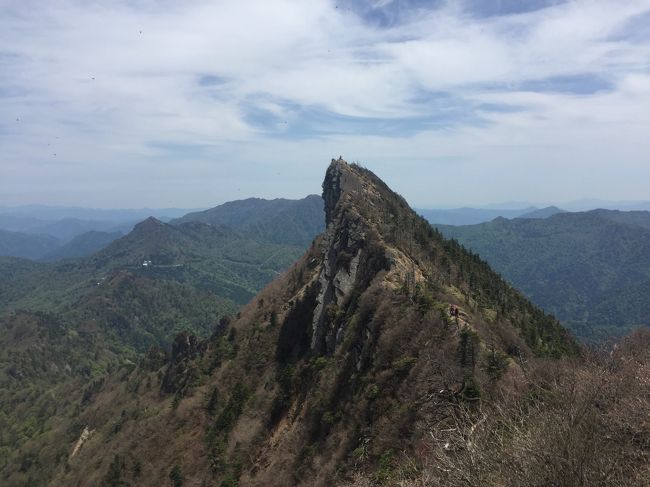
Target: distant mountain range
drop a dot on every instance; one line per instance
(231, 264)
(55, 213)
(589, 204)
(51, 232)
(471, 216)
(519, 209)
(584, 204)
(590, 269)
(583, 267)
(17, 244)
(543, 212)
(30, 233)
(82, 245)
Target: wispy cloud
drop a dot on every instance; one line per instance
(168, 101)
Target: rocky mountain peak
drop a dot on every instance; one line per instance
(148, 224)
(345, 250)
(352, 187)
(348, 356)
(338, 179)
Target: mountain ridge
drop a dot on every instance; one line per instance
(294, 222)
(83, 245)
(332, 357)
(542, 212)
(571, 264)
(24, 245)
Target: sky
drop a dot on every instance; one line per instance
(163, 103)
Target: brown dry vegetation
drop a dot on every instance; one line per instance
(570, 423)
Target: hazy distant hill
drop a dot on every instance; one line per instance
(68, 228)
(637, 218)
(55, 213)
(63, 230)
(592, 203)
(19, 223)
(470, 216)
(48, 247)
(591, 270)
(281, 221)
(543, 212)
(17, 244)
(82, 245)
(66, 223)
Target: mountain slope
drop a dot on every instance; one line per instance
(68, 228)
(344, 361)
(65, 223)
(65, 326)
(16, 244)
(635, 218)
(471, 216)
(588, 269)
(82, 245)
(50, 362)
(214, 259)
(279, 221)
(210, 257)
(542, 212)
(64, 229)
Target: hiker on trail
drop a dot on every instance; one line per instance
(451, 310)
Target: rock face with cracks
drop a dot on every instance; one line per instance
(342, 249)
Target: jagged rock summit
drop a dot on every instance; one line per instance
(343, 243)
(344, 361)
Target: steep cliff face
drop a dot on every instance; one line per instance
(343, 362)
(344, 249)
(180, 372)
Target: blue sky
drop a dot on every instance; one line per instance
(134, 103)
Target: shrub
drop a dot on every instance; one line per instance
(496, 363)
(373, 392)
(213, 401)
(385, 467)
(404, 364)
(319, 363)
(176, 476)
(467, 347)
(471, 390)
(330, 418)
(226, 420)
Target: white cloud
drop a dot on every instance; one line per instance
(114, 89)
